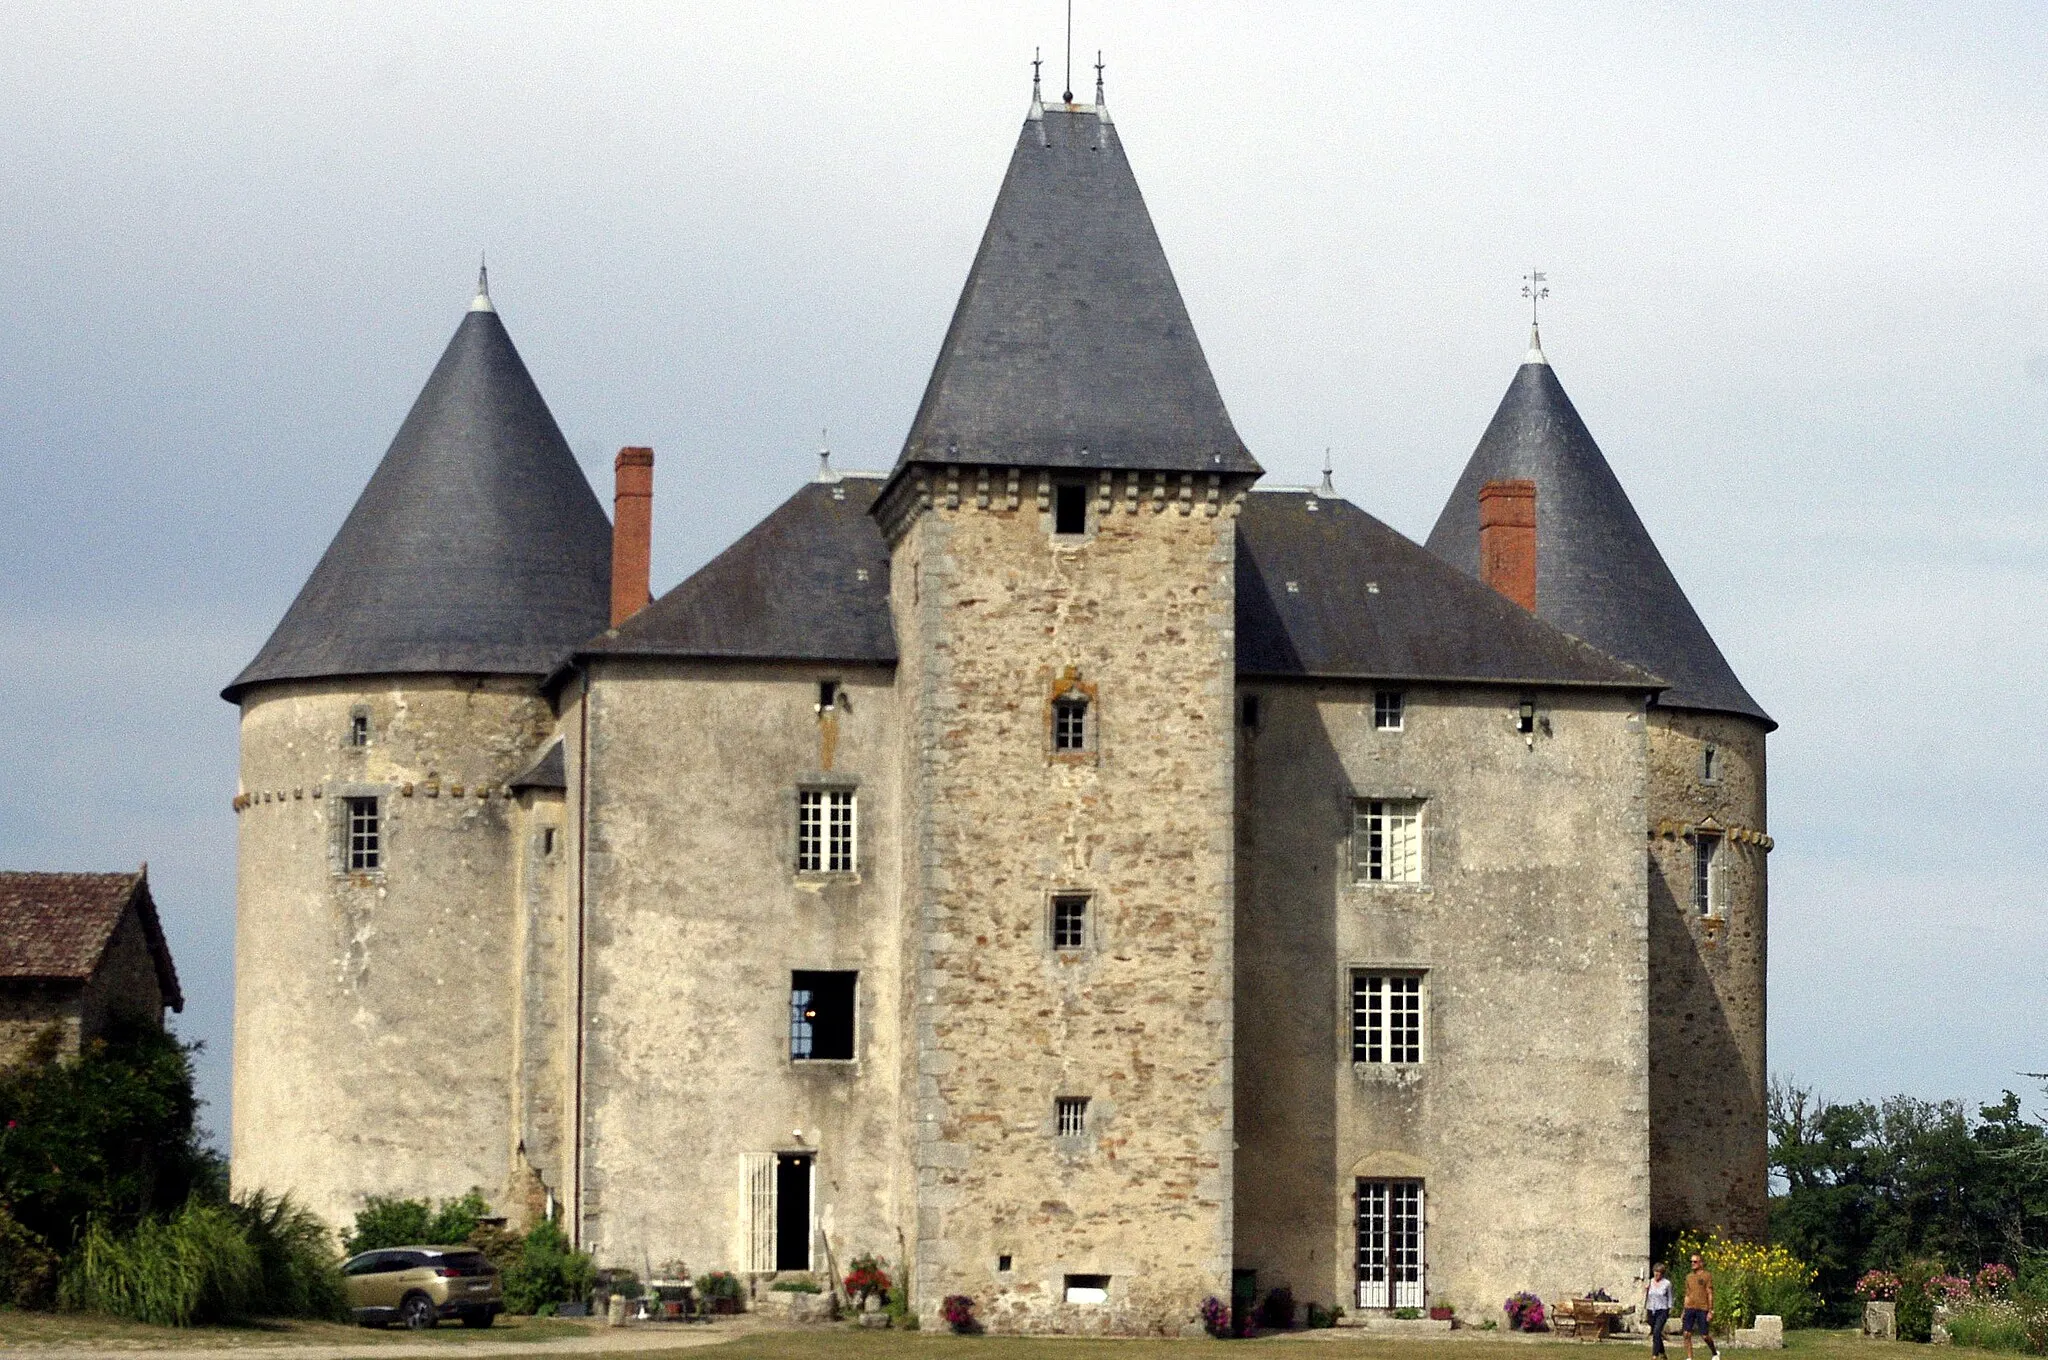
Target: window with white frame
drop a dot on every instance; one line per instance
(1390, 1258)
(1070, 1114)
(1386, 840)
(362, 830)
(1386, 1017)
(825, 827)
(1706, 873)
(1387, 705)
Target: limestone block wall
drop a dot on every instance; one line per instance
(544, 1018)
(124, 989)
(374, 1011)
(1527, 1118)
(1708, 1073)
(694, 917)
(996, 616)
(29, 1010)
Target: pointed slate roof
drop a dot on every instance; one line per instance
(1070, 346)
(1598, 574)
(477, 548)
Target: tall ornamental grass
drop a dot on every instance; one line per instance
(196, 1266)
(1751, 1280)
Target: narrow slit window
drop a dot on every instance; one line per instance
(1386, 840)
(821, 1016)
(1387, 707)
(1069, 725)
(1710, 765)
(1386, 1018)
(359, 729)
(1248, 710)
(1070, 921)
(825, 831)
(828, 695)
(1070, 510)
(1072, 1115)
(547, 843)
(1706, 874)
(364, 831)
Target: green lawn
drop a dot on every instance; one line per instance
(90, 1330)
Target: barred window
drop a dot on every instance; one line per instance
(1386, 1018)
(1069, 922)
(363, 846)
(825, 831)
(1386, 840)
(1070, 725)
(1072, 1115)
(1386, 710)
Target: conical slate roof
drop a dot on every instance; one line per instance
(1070, 347)
(477, 548)
(1598, 575)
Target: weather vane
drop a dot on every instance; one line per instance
(1533, 289)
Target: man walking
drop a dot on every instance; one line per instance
(1657, 1306)
(1699, 1308)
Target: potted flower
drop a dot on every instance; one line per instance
(1525, 1313)
(958, 1311)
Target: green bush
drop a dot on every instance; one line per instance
(1750, 1280)
(549, 1271)
(28, 1268)
(2019, 1325)
(1915, 1308)
(387, 1222)
(197, 1266)
(800, 1284)
(300, 1276)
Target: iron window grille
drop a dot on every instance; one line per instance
(363, 829)
(825, 828)
(1070, 922)
(1386, 840)
(1387, 705)
(1071, 1113)
(1386, 1018)
(1070, 725)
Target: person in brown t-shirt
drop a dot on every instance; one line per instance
(1699, 1308)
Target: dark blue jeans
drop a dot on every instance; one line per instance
(1658, 1317)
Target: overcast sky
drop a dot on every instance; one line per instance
(1794, 253)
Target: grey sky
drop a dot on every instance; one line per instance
(1793, 252)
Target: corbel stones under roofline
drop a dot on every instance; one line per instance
(1000, 490)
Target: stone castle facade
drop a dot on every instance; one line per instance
(1060, 865)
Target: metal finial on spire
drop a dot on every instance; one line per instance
(1098, 77)
(1329, 486)
(825, 472)
(1035, 64)
(1068, 96)
(482, 301)
(1534, 290)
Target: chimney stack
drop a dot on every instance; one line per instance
(632, 531)
(1507, 540)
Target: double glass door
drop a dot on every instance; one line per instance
(1390, 1244)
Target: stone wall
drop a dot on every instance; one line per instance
(995, 617)
(694, 918)
(124, 988)
(544, 1017)
(1527, 1118)
(28, 1010)
(374, 1011)
(1708, 1076)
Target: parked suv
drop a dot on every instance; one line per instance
(419, 1286)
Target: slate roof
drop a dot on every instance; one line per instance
(477, 548)
(56, 927)
(1598, 574)
(547, 771)
(1070, 346)
(792, 588)
(1366, 601)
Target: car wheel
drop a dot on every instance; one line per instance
(482, 1319)
(417, 1312)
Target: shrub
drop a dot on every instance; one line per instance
(501, 1246)
(1276, 1310)
(1877, 1286)
(864, 1277)
(958, 1311)
(719, 1284)
(896, 1303)
(1999, 1324)
(1915, 1305)
(1320, 1317)
(800, 1284)
(1408, 1314)
(298, 1273)
(1216, 1317)
(195, 1267)
(28, 1268)
(387, 1222)
(549, 1271)
(1751, 1279)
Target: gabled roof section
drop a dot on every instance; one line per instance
(477, 547)
(548, 771)
(1324, 589)
(808, 583)
(56, 927)
(1598, 574)
(1070, 346)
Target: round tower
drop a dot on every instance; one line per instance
(383, 855)
(1600, 577)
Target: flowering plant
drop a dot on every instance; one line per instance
(958, 1311)
(1525, 1313)
(866, 1277)
(1995, 1278)
(1877, 1286)
(1215, 1317)
(1751, 1278)
(1949, 1288)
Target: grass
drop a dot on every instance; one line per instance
(68, 1331)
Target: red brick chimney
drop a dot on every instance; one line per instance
(1507, 540)
(632, 531)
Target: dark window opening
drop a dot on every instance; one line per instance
(1070, 725)
(359, 729)
(1248, 712)
(1710, 764)
(1072, 1114)
(547, 843)
(1069, 922)
(1386, 710)
(821, 1016)
(828, 695)
(1003, 1261)
(792, 1211)
(1070, 510)
(1525, 717)
(364, 848)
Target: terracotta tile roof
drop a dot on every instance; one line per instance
(55, 927)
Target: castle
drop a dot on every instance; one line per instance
(1059, 865)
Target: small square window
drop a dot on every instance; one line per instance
(821, 1016)
(1070, 922)
(1706, 873)
(1087, 1289)
(825, 831)
(1386, 840)
(1003, 1261)
(1069, 724)
(1070, 509)
(1386, 710)
(1386, 1018)
(359, 729)
(1071, 1113)
(363, 832)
